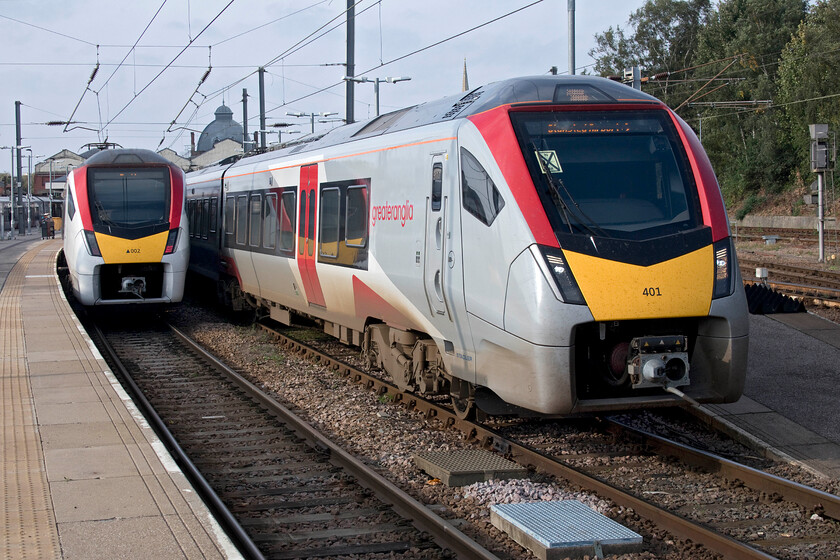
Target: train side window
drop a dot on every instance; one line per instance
(330, 214)
(195, 218)
(255, 221)
(287, 221)
(310, 227)
(343, 229)
(214, 211)
(241, 220)
(230, 205)
(437, 185)
(356, 217)
(190, 220)
(302, 223)
(479, 194)
(71, 205)
(269, 222)
(205, 218)
(198, 212)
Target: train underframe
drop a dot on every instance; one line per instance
(607, 368)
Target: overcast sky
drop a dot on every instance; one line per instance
(50, 48)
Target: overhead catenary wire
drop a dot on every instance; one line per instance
(407, 55)
(294, 48)
(87, 87)
(40, 28)
(315, 35)
(270, 22)
(134, 46)
(217, 16)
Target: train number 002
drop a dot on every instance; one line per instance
(651, 292)
(134, 251)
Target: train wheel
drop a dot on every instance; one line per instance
(462, 395)
(464, 408)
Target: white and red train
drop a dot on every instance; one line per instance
(557, 245)
(125, 229)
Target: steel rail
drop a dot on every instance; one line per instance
(446, 534)
(809, 498)
(824, 296)
(533, 459)
(225, 518)
(832, 278)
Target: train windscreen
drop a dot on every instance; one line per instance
(128, 198)
(620, 174)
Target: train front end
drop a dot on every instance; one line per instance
(631, 294)
(127, 243)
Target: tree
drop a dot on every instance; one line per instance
(664, 38)
(808, 82)
(744, 144)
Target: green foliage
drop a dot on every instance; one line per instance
(752, 202)
(808, 87)
(739, 71)
(664, 38)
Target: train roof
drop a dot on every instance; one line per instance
(564, 90)
(126, 156)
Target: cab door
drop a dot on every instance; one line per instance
(434, 272)
(307, 226)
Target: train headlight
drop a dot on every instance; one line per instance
(723, 269)
(171, 241)
(92, 245)
(562, 275)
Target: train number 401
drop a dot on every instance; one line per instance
(651, 292)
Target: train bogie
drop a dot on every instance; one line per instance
(125, 238)
(544, 245)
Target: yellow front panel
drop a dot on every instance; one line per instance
(680, 287)
(116, 250)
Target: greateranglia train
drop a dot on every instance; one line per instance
(552, 245)
(125, 229)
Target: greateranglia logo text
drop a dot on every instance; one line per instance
(401, 213)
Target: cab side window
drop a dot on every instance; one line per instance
(479, 194)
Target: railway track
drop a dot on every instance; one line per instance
(733, 510)
(282, 489)
(818, 286)
(744, 233)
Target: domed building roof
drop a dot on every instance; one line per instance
(221, 128)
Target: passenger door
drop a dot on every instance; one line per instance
(307, 222)
(434, 270)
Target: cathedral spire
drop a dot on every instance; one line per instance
(465, 85)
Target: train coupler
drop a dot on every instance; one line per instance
(658, 361)
(133, 285)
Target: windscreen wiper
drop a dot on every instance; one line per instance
(568, 213)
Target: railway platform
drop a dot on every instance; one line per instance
(83, 475)
(789, 409)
